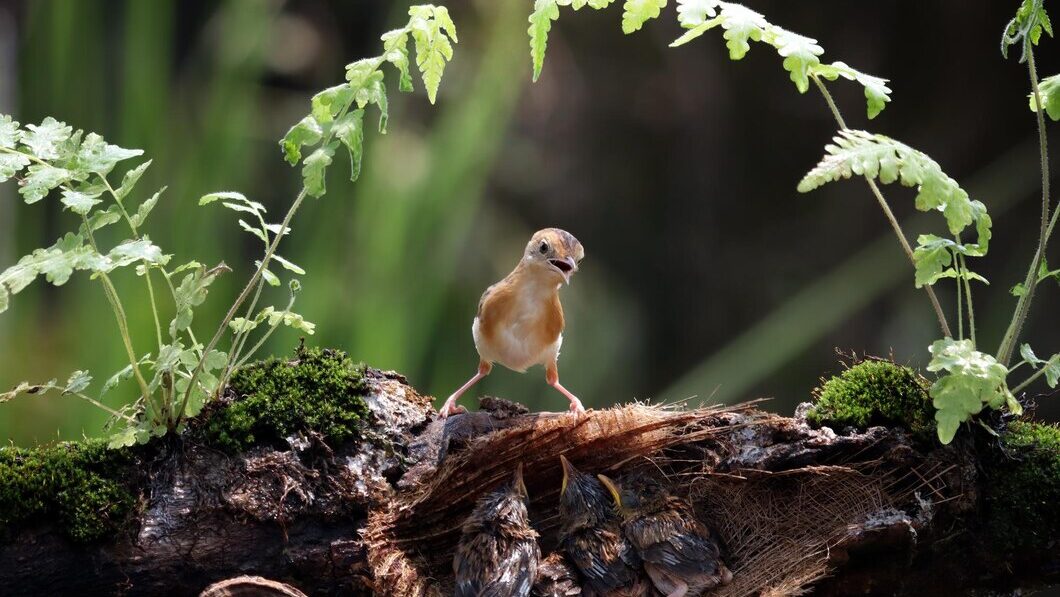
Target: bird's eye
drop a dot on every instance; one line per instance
(543, 248)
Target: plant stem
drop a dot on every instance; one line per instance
(241, 298)
(147, 272)
(939, 314)
(1008, 342)
(1036, 375)
(960, 308)
(968, 297)
(104, 407)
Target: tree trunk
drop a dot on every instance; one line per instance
(861, 512)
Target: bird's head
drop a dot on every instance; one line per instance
(635, 494)
(583, 502)
(554, 253)
(503, 508)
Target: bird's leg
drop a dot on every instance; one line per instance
(450, 407)
(552, 377)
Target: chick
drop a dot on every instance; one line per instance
(498, 554)
(556, 578)
(520, 320)
(678, 551)
(591, 536)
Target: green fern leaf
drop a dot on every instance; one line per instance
(350, 130)
(396, 52)
(800, 54)
(545, 11)
(306, 132)
(740, 24)
(877, 94)
(692, 13)
(429, 27)
(883, 158)
(314, 168)
(636, 12)
(1049, 89)
(9, 132)
(1026, 28)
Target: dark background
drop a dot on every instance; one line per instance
(706, 273)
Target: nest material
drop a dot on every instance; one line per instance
(784, 499)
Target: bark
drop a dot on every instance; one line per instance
(869, 512)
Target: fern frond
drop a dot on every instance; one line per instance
(636, 12)
(1049, 89)
(545, 11)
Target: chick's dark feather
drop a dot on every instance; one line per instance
(592, 539)
(498, 553)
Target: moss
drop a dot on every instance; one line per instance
(321, 390)
(874, 392)
(1023, 487)
(84, 487)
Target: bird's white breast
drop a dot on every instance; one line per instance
(514, 343)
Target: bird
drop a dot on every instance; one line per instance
(678, 551)
(498, 555)
(520, 322)
(556, 578)
(591, 536)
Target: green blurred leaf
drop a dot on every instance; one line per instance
(130, 179)
(350, 131)
(1049, 89)
(78, 382)
(637, 12)
(11, 164)
(80, 203)
(98, 156)
(545, 11)
(9, 132)
(145, 208)
(314, 169)
(1026, 28)
(40, 180)
(44, 140)
(973, 379)
(306, 132)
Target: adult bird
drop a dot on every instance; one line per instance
(498, 555)
(520, 319)
(678, 551)
(591, 536)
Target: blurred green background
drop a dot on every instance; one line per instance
(706, 274)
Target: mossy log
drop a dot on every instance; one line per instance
(871, 511)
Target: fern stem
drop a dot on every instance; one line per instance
(251, 284)
(1019, 318)
(147, 273)
(968, 298)
(960, 306)
(119, 316)
(1037, 374)
(902, 240)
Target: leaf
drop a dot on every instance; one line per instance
(740, 24)
(102, 218)
(1049, 89)
(9, 132)
(11, 164)
(145, 208)
(44, 140)
(350, 131)
(270, 277)
(636, 12)
(191, 293)
(800, 54)
(134, 251)
(306, 132)
(80, 203)
(288, 265)
(331, 102)
(242, 325)
(258, 232)
(973, 379)
(932, 258)
(98, 156)
(877, 156)
(130, 179)
(877, 94)
(124, 374)
(77, 383)
(1026, 28)
(1052, 365)
(41, 179)
(692, 13)
(396, 52)
(314, 169)
(431, 33)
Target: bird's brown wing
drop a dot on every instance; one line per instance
(605, 559)
(676, 541)
(515, 570)
(484, 297)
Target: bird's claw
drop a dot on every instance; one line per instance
(576, 407)
(450, 408)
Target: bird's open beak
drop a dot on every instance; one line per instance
(568, 471)
(566, 267)
(610, 485)
(520, 486)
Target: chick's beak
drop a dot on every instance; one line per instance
(520, 486)
(610, 485)
(568, 471)
(566, 267)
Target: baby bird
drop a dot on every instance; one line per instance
(678, 551)
(591, 535)
(520, 320)
(498, 554)
(556, 578)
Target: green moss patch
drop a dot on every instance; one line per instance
(1023, 487)
(320, 390)
(874, 392)
(83, 487)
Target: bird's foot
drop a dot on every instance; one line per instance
(450, 408)
(576, 406)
